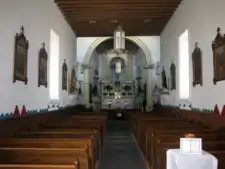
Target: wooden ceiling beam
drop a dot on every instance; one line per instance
(116, 1)
(126, 27)
(109, 29)
(115, 16)
(100, 17)
(148, 5)
(109, 10)
(144, 9)
(136, 20)
(103, 34)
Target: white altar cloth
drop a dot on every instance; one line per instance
(179, 160)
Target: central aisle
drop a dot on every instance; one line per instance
(120, 150)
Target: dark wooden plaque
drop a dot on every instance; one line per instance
(197, 66)
(43, 67)
(20, 57)
(64, 75)
(218, 47)
(173, 76)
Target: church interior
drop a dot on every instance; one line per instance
(104, 84)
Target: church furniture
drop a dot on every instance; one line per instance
(88, 140)
(80, 147)
(45, 140)
(177, 159)
(43, 156)
(156, 133)
(35, 166)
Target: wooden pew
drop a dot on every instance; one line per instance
(148, 136)
(38, 166)
(83, 134)
(92, 132)
(150, 144)
(80, 133)
(88, 140)
(149, 127)
(43, 156)
(77, 126)
(79, 147)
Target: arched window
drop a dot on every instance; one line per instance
(184, 79)
(54, 66)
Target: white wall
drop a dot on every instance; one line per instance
(37, 17)
(201, 18)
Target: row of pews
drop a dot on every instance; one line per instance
(60, 141)
(158, 132)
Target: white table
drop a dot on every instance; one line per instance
(178, 160)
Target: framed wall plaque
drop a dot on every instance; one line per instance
(20, 57)
(197, 66)
(64, 75)
(173, 76)
(218, 47)
(42, 67)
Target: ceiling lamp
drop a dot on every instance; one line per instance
(119, 38)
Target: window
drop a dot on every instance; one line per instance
(54, 66)
(184, 79)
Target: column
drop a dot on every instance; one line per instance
(86, 84)
(149, 101)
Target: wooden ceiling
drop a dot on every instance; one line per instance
(90, 18)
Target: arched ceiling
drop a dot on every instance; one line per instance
(108, 44)
(95, 18)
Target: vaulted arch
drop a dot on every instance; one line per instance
(135, 40)
(95, 44)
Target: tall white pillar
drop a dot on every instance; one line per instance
(86, 85)
(149, 101)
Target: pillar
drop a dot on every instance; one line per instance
(149, 101)
(86, 85)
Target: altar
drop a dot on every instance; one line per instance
(117, 95)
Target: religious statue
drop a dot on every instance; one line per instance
(73, 81)
(164, 81)
(95, 88)
(139, 71)
(173, 76)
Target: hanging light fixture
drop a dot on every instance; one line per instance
(119, 38)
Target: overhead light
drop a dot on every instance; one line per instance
(147, 20)
(119, 38)
(92, 21)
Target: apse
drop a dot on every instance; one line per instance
(118, 76)
(104, 59)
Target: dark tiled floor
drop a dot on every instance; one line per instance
(120, 150)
